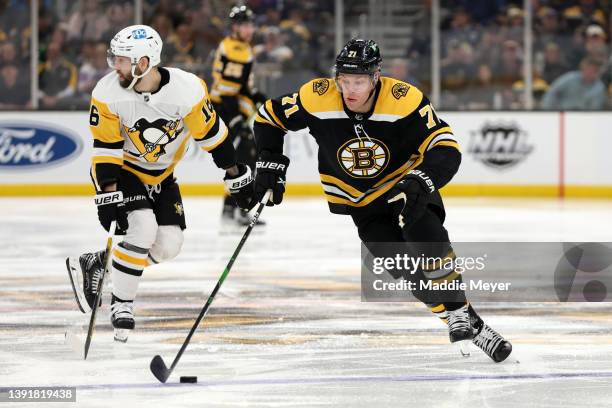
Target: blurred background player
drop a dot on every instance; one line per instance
(233, 97)
(141, 118)
(383, 155)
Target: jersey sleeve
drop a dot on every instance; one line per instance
(438, 148)
(275, 118)
(105, 127)
(209, 131)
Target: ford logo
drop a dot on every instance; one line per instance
(34, 145)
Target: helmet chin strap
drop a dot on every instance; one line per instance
(137, 77)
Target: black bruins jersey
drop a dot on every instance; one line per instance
(362, 156)
(231, 75)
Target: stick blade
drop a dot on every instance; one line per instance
(159, 369)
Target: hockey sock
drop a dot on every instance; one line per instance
(128, 262)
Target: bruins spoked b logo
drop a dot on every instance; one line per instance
(363, 158)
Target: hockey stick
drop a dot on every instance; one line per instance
(94, 309)
(158, 367)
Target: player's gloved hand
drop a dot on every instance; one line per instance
(270, 173)
(111, 208)
(408, 198)
(240, 187)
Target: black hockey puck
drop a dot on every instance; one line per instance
(189, 379)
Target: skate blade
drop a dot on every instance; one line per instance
(121, 335)
(76, 281)
(464, 347)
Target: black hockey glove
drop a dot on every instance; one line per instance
(111, 208)
(409, 197)
(270, 173)
(240, 187)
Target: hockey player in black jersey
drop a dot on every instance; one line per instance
(234, 97)
(383, 156)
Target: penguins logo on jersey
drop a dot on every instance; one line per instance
(321, 86)
(399, 90)
(363, 158)
(151, 138)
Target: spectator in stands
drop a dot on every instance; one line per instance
(273, 50)
(547, 28)
(482, 91)
(596, 46)
(554, 64)
(181, 45)
(14, 90)
(583, 13)
(86, 23)
(8, 54)
(509, 67)
(119, 15)
(93, 70)
(577, 90)
(399, 68)
(457, 69)
(57, 78)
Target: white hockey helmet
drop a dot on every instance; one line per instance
(135, 42)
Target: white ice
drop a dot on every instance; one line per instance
(288, 328)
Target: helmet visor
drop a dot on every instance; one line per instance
(116, 61)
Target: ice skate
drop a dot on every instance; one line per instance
(122, 318)
(85, 273)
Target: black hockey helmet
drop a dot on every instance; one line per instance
(241, 14)
(358, 56)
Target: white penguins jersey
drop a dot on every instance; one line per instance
(148, 133)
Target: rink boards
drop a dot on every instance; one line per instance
(504, 154)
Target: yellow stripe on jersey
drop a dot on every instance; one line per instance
(448, 143)
(270, 111)
(415, 159)
(104, 125)
(339, 183)
(223, 87)
(368, 199)
(261, 119)
(106, 159)
(425, 144)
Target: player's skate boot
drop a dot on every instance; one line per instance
(244, 219)
(488, 340)
(85, 274)
(459, 328)
(122, 318)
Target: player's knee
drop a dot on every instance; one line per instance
(168, 243)
(142, 228)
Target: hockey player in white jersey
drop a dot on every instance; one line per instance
(142, 117)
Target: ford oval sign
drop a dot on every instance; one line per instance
(32, 145)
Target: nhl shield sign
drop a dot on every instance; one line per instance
(500, 145)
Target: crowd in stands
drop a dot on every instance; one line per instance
(482, 54)
(482, 48)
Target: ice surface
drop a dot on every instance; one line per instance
(288, 327)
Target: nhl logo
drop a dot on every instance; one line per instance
(320, 86)
(499, 145)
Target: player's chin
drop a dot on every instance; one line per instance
(124, 82)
